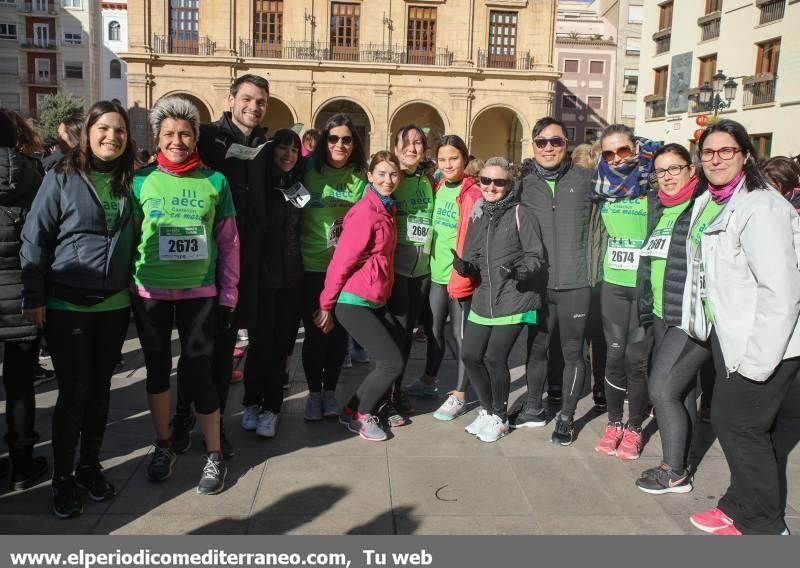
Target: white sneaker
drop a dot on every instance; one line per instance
(267, 423)
(493, 429)
(450, 409)
(242, 335)
(250, 417)
(478, 423)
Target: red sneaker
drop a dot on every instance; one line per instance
(610, 440)
(238, 352)
(710, 521)
(631, 445)
(236, 376)
(730, 530)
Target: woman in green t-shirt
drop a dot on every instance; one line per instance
(336, 180)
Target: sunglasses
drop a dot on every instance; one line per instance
(555, 142)
(623, 152)
(497, 182)
(334, 139)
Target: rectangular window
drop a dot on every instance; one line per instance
(631, 80)
(595, 102)
(502, 39)
(9, 101)
(8, 31)
(713, 6)
(9, 66)
(767, 57)
(71, 3)
(72, 38)
(184, 26)
(660, 83)
(632, 45)
(345, 30)
(570, 133)
(665, 16)
(569, 101)
(73, 70)
(628, 109)
(635, 14)
(571, 65)
(591, 135)
(421, 39)
(597, 67)
(268, 28)
(708, 68)
(763, 145)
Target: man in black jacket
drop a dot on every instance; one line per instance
(232, 146)
(559, 193)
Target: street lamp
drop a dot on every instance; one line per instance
(710, 95)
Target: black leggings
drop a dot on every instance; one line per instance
(677, 359)
(221, 367)
(486, 351)
(567, 311)
(266, 354)
(323, 354)
(405, 304)
(85, 347)
(627, 356)
(18, 362)
(380, 333)
(196, 325)
(441, 305)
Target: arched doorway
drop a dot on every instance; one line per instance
(497, 131)
(424, 116)
(354, 111)
(279, 115)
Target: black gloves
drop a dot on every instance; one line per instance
(511, 272)
(463, 267)
(224, 318)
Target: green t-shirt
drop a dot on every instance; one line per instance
(177, 249)
(626, 223)
(551, 183)
(658, 262)
(528, 317)
(710, 212)
(445, 229)
(333, 193)
(122, 299)
(414, 200)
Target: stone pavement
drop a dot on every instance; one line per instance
(429, 478)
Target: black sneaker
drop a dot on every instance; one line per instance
(182, 426)
(599, 399)
(24, 480)
(67, 502)
(390, 416)
(214, 472)
(401, 402)
(91, 478)
(528, 418)
(663, 479)
(564, 432)
(42, 375)
(160, 468)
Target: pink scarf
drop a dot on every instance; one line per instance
(683, 195)
(721, 194)
(191, 164)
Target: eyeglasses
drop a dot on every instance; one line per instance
(333, 139)
(497, 182)
(555, 142)
(623, 152)
(673, 170)
(725, 153)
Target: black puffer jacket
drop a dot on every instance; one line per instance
(247, 180)
(20, 177)
(281, 261)
(510, 237)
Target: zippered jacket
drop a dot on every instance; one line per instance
(462, 286)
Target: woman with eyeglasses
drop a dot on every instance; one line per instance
(746, 287)
(662, 280)
(621, 184)
(503, 251)
(335, 181)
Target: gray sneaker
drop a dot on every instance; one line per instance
(267, 424)
(475, 427)
(313, 407)
(330, 408)
(421, 389)
(450, 409)
(493, 429)
(214, 472)
(370, 428)
(160, 468)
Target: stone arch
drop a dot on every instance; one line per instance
(359, 113)
(425, 115)
(280, 114)
(203, 107)
(498, 130)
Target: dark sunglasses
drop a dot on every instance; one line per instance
(497, 182)
(555, 142)
(346, 140)
(623, 152)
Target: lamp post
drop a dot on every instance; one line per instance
(712, 95)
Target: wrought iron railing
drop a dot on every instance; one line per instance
(183, 46)
(522, 61)
(656, 108)
(771, 11)
(759, 90)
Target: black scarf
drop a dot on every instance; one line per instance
(102, 166)
(492, 208)
(554, 174)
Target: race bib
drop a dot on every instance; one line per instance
(624, 254)
(297, 195)
(182, 243)
(418, 229)
(658, 244)
(334, 233)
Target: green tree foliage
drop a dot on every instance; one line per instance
(55, 109)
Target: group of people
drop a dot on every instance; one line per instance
(668, 267)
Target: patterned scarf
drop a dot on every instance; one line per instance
(632, 179)
(554, 174)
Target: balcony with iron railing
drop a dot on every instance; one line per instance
(42, 79)
(695, 106)
(759, 90)
(38, 8)
(522, 61)
(771, 10)
(38, 43)
(663, 39)
(183, 46)
(655, 106)
(709, 25)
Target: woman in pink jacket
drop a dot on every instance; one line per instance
(358, 283)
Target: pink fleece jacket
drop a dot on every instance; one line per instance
(370, 231)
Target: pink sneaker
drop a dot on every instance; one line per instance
(631, 446)
(610, 440)
(710, 521)
(730, 530)
(238, 352)
(236, 376)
